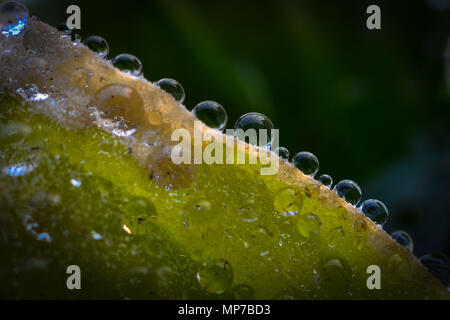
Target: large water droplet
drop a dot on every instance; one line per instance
(128, 64)
(212, 114)
(349, 191)
(251, 123)
(287, 202)
(309, 225)
(403, 239)
(98, 45)
(13, 18)
(215, 276)
(439, 265)
(306, 162)
(117, 100)
(243, 292)
(375, 210)
(282, 152)
(326, 180)
(173, 87)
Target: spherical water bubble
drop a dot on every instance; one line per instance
(306, 162)
(349, 191)
(13, 18)
(212, 114)
(403, 239)
(98, 45)
(282, 152)
(439, 266)
(375, 210)
(254, 121)
(173, 87)
(215, 276)
(128, 63)
(326, 180)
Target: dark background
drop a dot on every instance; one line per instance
(372, 105)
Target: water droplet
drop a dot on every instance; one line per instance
(349, 191)
(115, 101)
(403, 239)
(128, 64)
(138, 214)
(375, 210)
(309, 225)
(13, 18)
(212, 114)
(98, 45)
(19, 169)
(215, 276)
(399, 266)
(326, 180)
(96, 235)
(336, 235)
(287, 202)
(247, 211)
(439, 266)
(198, 212)
(243, 292)
(282, 152)
(257, 125)
(306, 162)
(334, 278)
(173, 87)
(75, 183)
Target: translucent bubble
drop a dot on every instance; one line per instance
(247, 211)
(375, 210)
(128, 64)
(252, 123)
(212, 114)
(326, 180)
(306, 162)
(282, 152)
(139, 214)
(309, 225)
(215, 276)
(13, 18)
(243, 292)
(173, 87)
(98, 45)
(287, 202)
(349, 191)
(76, 38)
(439, 266)
(403, 239)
